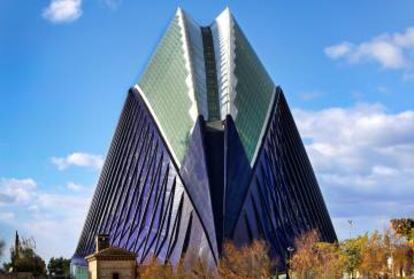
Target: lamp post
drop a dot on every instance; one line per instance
(290, 251)
(350, 222)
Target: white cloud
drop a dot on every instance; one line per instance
(59, 201)
(16, 190)
(60, 11)
(78, 159)
(54, 237)
(55, 222)
(74, 186)
(53, 219)
(391, 51)
(338, 51)
(364, 160)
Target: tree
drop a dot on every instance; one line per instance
(153, 269)
(24, 259)
(400, 254)
(405, 228)
(374, 256)
(28, 261)
(317, 259)
(330, 261)
(247, 262)
(352, 251)
(402, 260)
(304, 259)
(194, 266)
(59, 267)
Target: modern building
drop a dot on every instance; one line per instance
(206, 150)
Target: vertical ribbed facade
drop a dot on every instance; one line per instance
(206, 150)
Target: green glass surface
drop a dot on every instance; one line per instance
(254, 93)
(164, 86)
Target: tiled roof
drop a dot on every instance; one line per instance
(112, 253)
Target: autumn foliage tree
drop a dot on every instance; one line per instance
(304, 259)
(402, 260)
(246, 262)
(401, 256)
(405, 228)
(330, 261)
(191, 266)
(374, 256)
(153, 269)
(315, 259)
(195, 266)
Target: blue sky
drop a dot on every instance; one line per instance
(347, 69)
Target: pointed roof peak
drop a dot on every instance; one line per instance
(227, 10)
(226, 13)
(179, 11)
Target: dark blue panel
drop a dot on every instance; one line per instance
(195, 178)
(237, 176)
(141, 200)
(149, 206)
(283, 200)
(214, 145)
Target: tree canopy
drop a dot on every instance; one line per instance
(24, 258)
(404, 227)
(59, 267)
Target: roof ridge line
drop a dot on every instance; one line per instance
(190, 80)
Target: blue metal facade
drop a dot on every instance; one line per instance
(283, 199)
(141, 200)
(242, 175)
(149, 206)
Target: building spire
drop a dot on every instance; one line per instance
(179, 11)
(15, 254)
(224, 47)
(16, 244)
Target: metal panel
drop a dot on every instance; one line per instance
(174, 185)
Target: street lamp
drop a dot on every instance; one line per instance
(350, 222)
(290, 251)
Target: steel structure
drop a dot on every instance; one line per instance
(206, 150)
